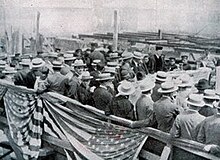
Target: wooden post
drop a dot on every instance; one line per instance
(160, 34)
(115, 35)
(37, 32)
(217, 83)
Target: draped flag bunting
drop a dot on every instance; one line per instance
(87, 129)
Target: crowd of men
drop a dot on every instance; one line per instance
(132, 85)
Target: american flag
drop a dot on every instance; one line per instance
(86, 128)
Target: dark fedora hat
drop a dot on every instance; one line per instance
(203, 84)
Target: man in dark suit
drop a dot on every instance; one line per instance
(31, 76)
(102, 96)
(156, 62)
(165, 109)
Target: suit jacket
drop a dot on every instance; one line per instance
(155, 94)
(144, 109)
(166, 112)
(155, 64)
(122, 107)
(102, 99)
(30, 80)
(58, 83)
(209, 132)
(84, 95)
(187, 67)
(185, 124)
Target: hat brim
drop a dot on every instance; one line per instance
(148, 88)
(211, 97)
(202, 87)
(168, 91)
(9, 72)
(120, 92)
(88, 78)
(69, 59)
(138, 57)
(160, 79)
(195, 104)
(185, 85)
(123, 58)
(38, 66)
(58, 66)
(105, 79)
(24, 64)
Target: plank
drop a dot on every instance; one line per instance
(165, 154)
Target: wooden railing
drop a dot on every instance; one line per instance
(191, 147)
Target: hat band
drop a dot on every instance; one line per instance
(209, 95)
(161, 77)
(194, 101)
(125, 89)
(166, 89)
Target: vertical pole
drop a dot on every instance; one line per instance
(37, 32)
(115, 35)
(217, 84)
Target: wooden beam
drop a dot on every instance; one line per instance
(116, 28)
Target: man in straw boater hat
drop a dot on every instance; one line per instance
(69, 59)
(165, 109)
(144, 105)
(2, 68)
(137, 62)
(83, 91)
(102, 96)
(36, 68)
(185, 88)
(126, 64)
(186, 125)
(79, 67)
(122, 107)
(209, 132)
(160, 78)
(57, 82)
(209, 98)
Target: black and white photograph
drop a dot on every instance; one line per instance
(109, 80)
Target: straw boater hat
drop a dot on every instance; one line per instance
(25, 62)
(113, 64)
(195, 100)
(2, 64)
(68, 57)
(202, 84)
(210, 94)
(146, 85)
(57, 64)
(114, 55)
(9, 70)
(126, 55)
(109, 70)
(86, 76)
(125, 88)
(70, 52)
(138, 55)
(185, 80)
(95, 62)
(79, 63)
(37, 63)
(104, 77)
(161, 76)
(167, 87)
(52, 54)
